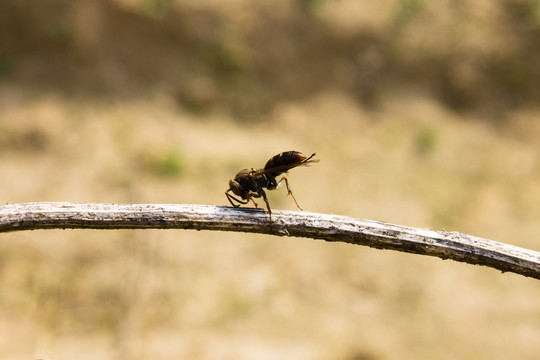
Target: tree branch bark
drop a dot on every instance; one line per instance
(445, 245)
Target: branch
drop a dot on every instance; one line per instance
(446, 245)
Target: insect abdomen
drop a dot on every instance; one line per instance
(285, 158)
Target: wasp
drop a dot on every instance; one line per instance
(250, 183)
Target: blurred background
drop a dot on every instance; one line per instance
(423, 113)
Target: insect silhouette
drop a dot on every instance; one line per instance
(250, 183)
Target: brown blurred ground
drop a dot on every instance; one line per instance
(422, 113)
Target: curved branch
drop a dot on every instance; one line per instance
(446, 245)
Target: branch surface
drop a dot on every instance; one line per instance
(442, 244)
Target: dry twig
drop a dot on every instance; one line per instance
(446, 245)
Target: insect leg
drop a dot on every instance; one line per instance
(263, 195)
(231, 198)
(250, 195)
(289, 191)
(254, 203)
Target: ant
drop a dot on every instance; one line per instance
(249, 183)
